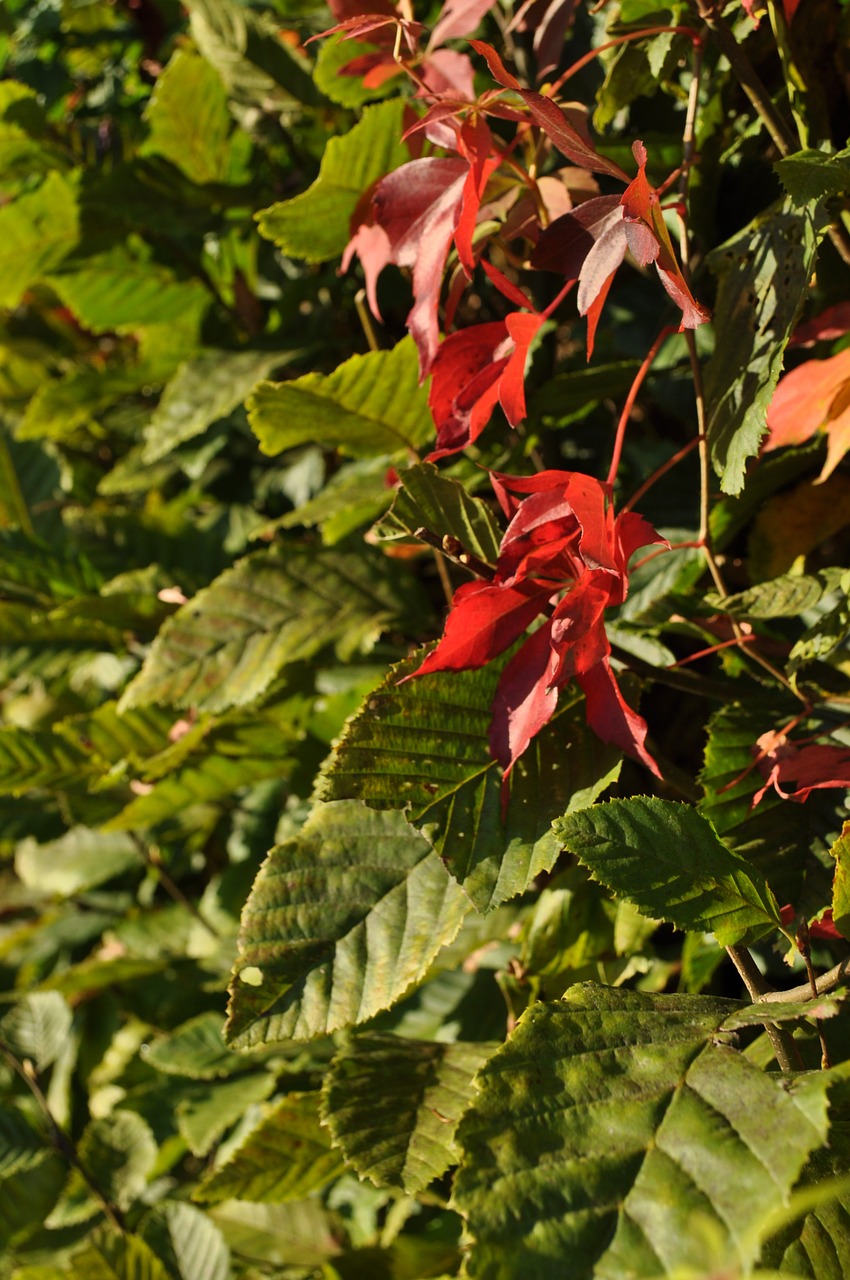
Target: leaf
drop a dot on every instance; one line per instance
(118, 1153)
(840, 851)
(302, 1233)
(668, 861)
(37, 231)
(30, 760)
(37, 1027)
(617, 1129)
(336, 52)
(817, 1242)
(315, 224)
(782, 1011)
(393, 1105)
(188, 119)
(285, 1157)
(342, 919)
(764, 273)
(810, 400)
(197, 1050)
(202, 391)
(821, 640)
(205, 1112)
(120, 290)
(110, 1256)
(785, 597)
(27, 1195)
(76, 861)
(370, 405)
(246, 47)
(810, 175)
(189, 1244)
(429, 499)
(424, 746)
(226, 646)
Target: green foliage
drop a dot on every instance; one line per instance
(296, 981)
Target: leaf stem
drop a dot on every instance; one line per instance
(63, 1144)
(616, 40)
(151, 856)
(630, 401)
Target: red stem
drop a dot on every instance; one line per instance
(630, 400)
(610, 44)
(659, 472)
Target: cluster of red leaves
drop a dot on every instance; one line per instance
(813, 767)
(564, 555)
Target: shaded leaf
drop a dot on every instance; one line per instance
(110, 1256)
(188, 119)
(197, 1050)
(203, 390)
(785, 597)
(370, 405)
(301, 1233)
(226, 646)
(189, 1244)
(840, 851)
(37, 231)
(424, 746)
(810, 175)
(205, 1112)
(428, 499)
(764, 274)
(393, 1105)
(610, 1123)
(122, 290)
(315, 224)
(37, 1027)
(287, 1155)
(667, 860)
(342, 919)
(118, 1153)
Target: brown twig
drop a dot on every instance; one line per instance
(783, 1045)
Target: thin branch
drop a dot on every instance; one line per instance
(826, 982)
(151, 856)
(783, 1044)
(63, 1144)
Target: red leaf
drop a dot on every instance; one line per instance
(475, 143)
(484, 621)
(511, 291)
(811, 768)
(548, 19)
(464, 385)
(523, 328)
(611, 718)
(813, 397)
(525, 699)
(554, 123)
(829, 325)
(458, 18)
(566, 243)
(497, 68)
(447, 73)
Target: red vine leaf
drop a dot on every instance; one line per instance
(811, 398)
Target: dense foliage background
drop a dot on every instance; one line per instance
(520, 1030)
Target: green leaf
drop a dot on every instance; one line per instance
(20, 1145)
(342, 919)
(120, 290)
(109, 1255)
(28, 1194)
(809, 175)
(118, 1152)
(202, 391)
(840, 851)
(42, 759)
(817, 1242)
(764, 277)
(667, 860)
(188, 119)
(315, 225)
(189, 1244)
(36, 1028)
(820, 641)
(78, 860)
(301, 1233)
(569, 397)
(785, 597)
(226, 646)
(393, 1105)
(37, 231)
(370, 405)
(619, 1130)
(428, 499)
(197, 1050)
(205, 1112)
(244, 45)
(424, 746)
(287, 1155)
(753, 1015)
